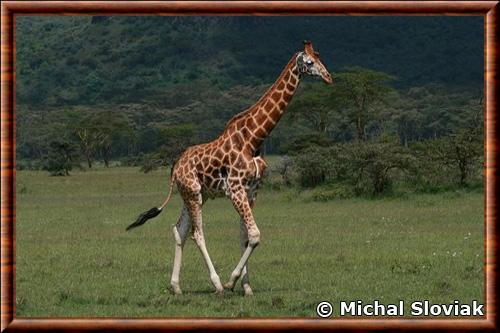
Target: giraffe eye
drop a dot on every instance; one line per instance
(309, 62)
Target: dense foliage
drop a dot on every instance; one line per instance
(84, 60)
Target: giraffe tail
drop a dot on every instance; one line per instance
(155, 211)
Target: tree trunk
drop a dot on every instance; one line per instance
(463, 174)
(89, 160)
(360, 127)
(105, 155)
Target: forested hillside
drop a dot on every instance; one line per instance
(85, 60)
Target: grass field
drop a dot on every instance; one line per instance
(74, 257)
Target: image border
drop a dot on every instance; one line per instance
(10, 9)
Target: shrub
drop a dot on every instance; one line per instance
(367, 167)
(131, 160)
(455, 160)
(152, 162)
(61, 158)
(305, 141)
(334, 193)
(26, 164)
(314, 166)
(272, 184)
(284, 169)
(372, 165)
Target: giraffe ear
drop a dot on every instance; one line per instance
(308, 47)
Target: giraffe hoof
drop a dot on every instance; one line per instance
(248, 291)
(229, 286)
(176, 290)
(219, 292)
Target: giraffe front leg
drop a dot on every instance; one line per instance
(245, 279)
(242, 205)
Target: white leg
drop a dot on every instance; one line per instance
(199, 238)
(200, 241)
(180, 231)
(245, 279)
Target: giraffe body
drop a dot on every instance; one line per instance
(208, 166)
(231, 166)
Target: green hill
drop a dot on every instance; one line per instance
(94, 60)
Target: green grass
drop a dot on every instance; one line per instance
(74, 257)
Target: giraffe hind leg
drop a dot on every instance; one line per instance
(180, 231)
(194, 205)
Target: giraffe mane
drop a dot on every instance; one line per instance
(268, 91)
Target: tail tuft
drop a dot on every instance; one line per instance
(153, 212)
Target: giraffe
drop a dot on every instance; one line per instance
(231, 166)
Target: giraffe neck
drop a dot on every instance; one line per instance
(255, 124)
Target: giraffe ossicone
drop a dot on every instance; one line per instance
(231, 166)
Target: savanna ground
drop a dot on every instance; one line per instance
(74, 257)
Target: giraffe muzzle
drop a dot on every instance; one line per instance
(327, 78)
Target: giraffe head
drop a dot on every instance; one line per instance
(308, 63)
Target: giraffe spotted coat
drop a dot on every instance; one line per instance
(231, 166)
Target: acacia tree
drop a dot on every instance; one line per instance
(101, 132)
(431, 111)
(61, 153)
(174, 140)
(319, 105)
(458, 153)
(88, 143)
(371, 163)
(458, 156)
(61, 157)
(364, 90)
(465, 152)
